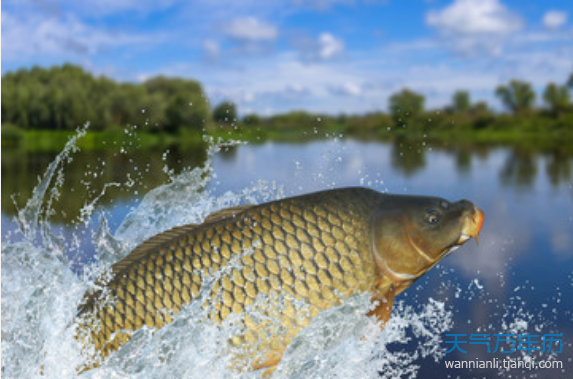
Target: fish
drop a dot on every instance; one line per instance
(288, 259)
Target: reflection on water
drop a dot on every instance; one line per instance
(520, 169)
(408, 157)
(463, 161)
(558, 168)
(137, 171)
(519, 279)
(143, 170)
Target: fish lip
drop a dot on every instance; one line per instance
(463, 239)
(472, 227)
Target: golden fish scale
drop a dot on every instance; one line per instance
(314, 249)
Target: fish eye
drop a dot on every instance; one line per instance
(432, 216)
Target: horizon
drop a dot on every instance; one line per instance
(321, 56)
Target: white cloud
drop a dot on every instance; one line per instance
(472, 26)
(326, 46)
(362, 81)
(211, 49)
(346, 89)
(317, 72)
(471, 17)
(329, 46)
(48, 36)
(554, 19)
(251, 29)
(35, 35)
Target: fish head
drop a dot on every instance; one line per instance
(410, 234)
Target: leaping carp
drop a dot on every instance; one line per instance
(314, 249)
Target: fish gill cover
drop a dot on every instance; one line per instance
(45, 274)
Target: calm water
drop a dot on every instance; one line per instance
(519, 280)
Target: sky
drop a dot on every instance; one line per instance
(328, 56)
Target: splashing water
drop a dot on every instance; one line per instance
(41, 292)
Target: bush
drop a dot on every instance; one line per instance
(11, 135)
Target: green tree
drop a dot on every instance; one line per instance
(406, 104)
(296, 120)
(56, 98)
(63, 97)
(251, 120)
(517, 96)
(175, 103)
(178, 113)
(226, 112)
(481, 115)
(570, 81)
(557, 98)
(461, 101)
(369, 123)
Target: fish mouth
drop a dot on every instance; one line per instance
(472, 227)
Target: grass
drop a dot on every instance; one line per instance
(53, 141)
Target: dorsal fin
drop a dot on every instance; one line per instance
(157, 240)
(227, 212)
(150, 245)
(147, 247)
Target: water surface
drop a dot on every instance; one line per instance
(518, 280)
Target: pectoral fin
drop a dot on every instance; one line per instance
(270, 362)
(385, 302)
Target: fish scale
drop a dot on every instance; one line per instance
(309, 250)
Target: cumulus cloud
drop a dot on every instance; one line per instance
(473, 26)
(326, 46)
(52, 36)
(289, 92)
(329, 46)
(250, 29)
(346, 89)
(554, 19)
(475, 17)
(319, 72)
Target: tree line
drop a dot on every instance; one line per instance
(518, 97)
(62, 97)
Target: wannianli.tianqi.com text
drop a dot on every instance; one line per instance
(506, 363)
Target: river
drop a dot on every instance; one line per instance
(518, 280)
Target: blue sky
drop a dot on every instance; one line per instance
(330, 56)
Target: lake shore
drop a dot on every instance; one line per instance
(53, 141)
